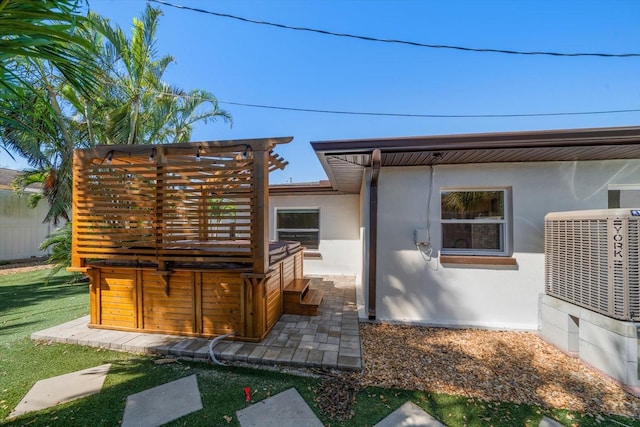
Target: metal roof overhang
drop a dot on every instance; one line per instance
(345, 161)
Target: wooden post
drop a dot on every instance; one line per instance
(196, 280)
(138, 301)
(249, 307)
(76, 260)
(260, 220)
(94, 296)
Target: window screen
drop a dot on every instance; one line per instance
(300, 225)
(473, 222)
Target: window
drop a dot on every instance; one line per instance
(300, 225)
(474, 222)
(623, 196)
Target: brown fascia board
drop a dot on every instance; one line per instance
(497, 140)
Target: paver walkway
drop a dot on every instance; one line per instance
(329, 340)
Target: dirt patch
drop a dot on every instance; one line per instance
(491, 365)
(24, 265)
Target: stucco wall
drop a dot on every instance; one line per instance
(415, 289)
(21, 228)
(340, 242)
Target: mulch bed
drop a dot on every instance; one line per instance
(336, 396)
(509, 366)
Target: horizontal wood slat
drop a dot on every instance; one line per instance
(177, 208)
(175, 237)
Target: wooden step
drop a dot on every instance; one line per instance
(298, 298)
(298, 286)
(313, 297)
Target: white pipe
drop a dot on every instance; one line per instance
(214, 342)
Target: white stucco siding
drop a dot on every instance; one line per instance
(21, 228)
(415, 290)
(340, 235)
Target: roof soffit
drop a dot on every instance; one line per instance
(343, 160)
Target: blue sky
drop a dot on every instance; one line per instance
(248, 63)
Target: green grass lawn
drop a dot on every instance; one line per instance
(27, 306)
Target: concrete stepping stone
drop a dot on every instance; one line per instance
(548, 422)
(162, 404)
(62, 389)
(286, 409)
(407, 415)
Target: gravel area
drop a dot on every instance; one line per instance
(491, 365)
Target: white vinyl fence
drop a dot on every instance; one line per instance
(21, 228)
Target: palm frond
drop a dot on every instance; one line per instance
(49, 30)
(59, 242)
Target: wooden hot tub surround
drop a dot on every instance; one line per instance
(174, 238)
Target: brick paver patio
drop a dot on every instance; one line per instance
(329, 340)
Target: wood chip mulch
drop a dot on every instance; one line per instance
(509, 366)
(336, 396)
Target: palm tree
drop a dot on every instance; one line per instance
(43, 30)
(46, 111)
(40, 41)
(145, 108)
(45, 134)
(175, 112)
(133, 106)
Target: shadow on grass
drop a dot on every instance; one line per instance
(221, 389)
(9, 329)
(27, 289)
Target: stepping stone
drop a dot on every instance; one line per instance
(548, 422)
(407, 415)
(286, 409)
(62, 389)
(162, 404)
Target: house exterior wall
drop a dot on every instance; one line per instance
(340, 246)
(21, 228)
(415, 288)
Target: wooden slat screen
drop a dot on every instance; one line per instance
(174, 207)
(115, 211)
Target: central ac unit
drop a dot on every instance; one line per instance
(591, 260)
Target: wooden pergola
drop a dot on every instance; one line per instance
(174, 238)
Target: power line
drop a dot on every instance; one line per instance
(403, 42)
(407, 115)
(434, 116)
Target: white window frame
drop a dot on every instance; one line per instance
(505, 221)
(620, 188)
(292, 208)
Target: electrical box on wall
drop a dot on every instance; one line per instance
(420, 236)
